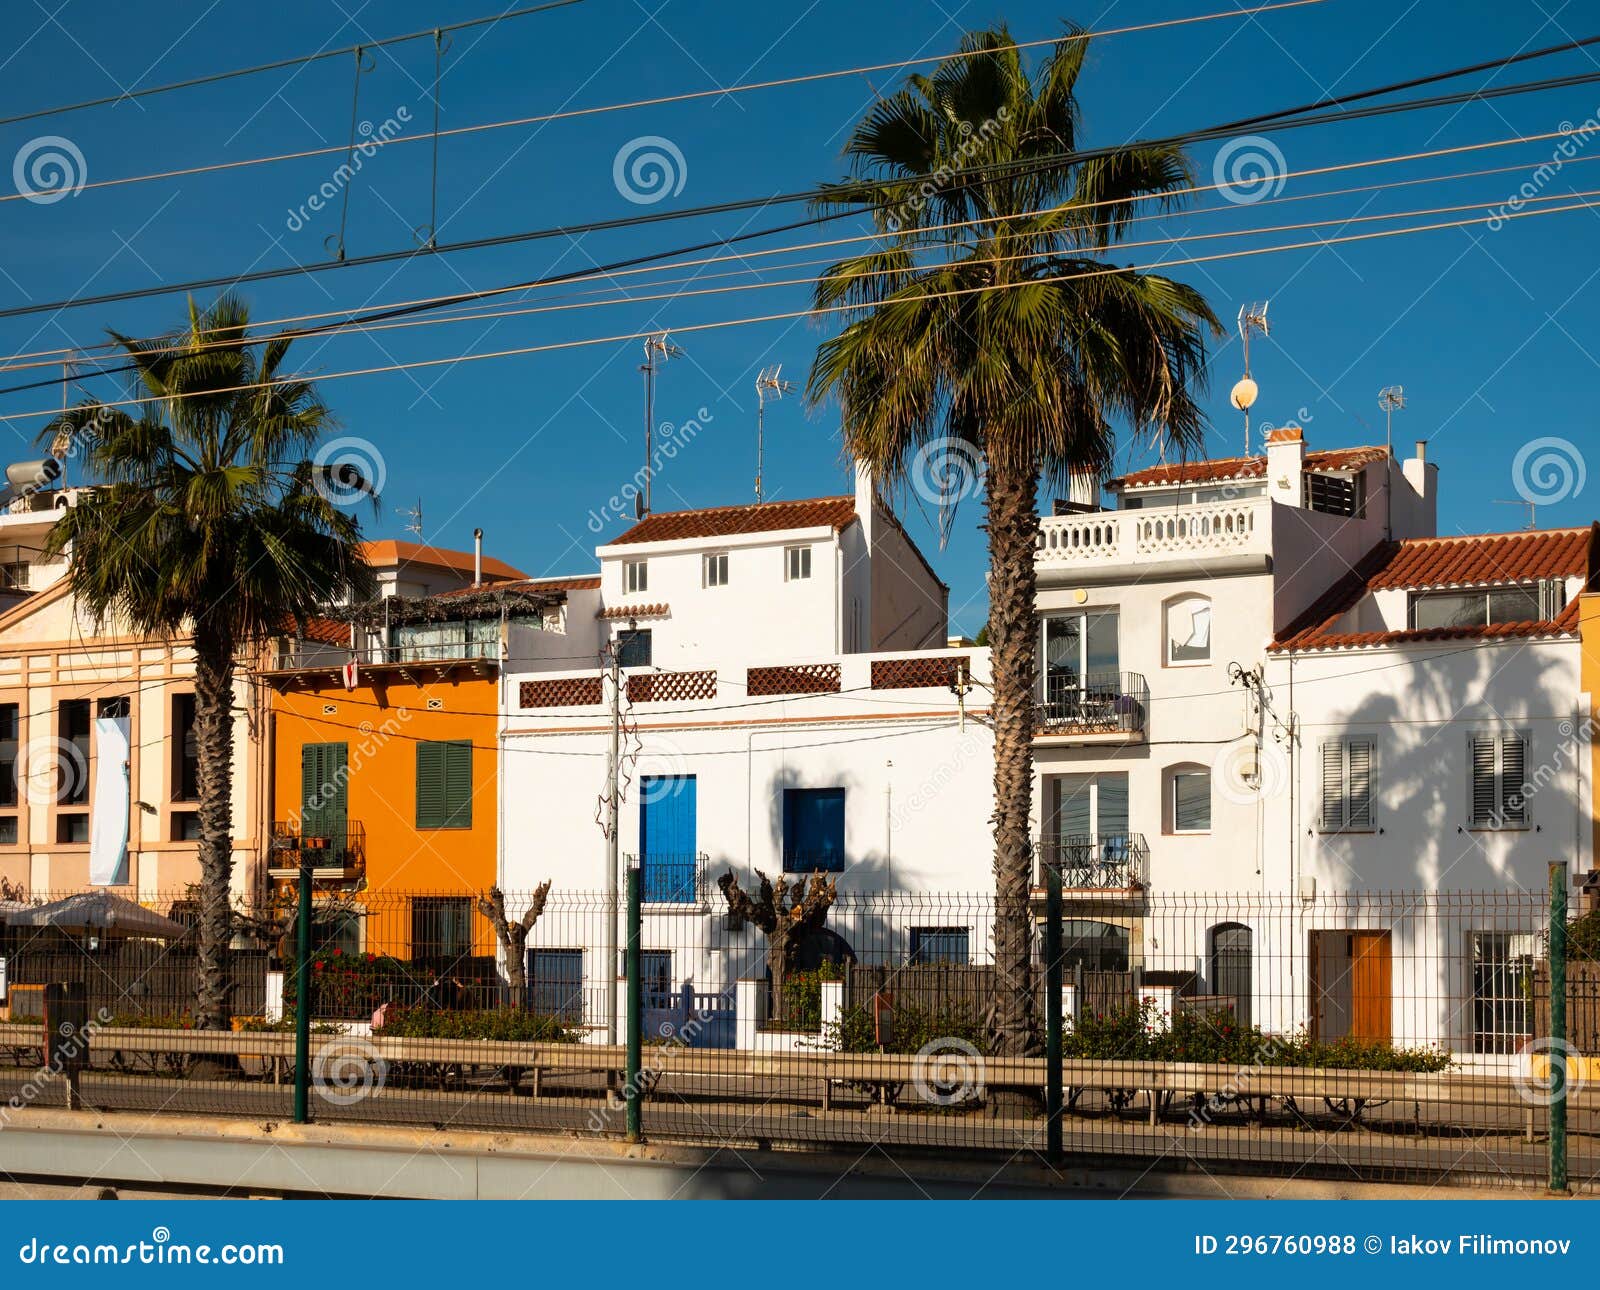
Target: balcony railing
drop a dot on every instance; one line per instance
(672, 878)
(291, 847)
(1089, 703)
(1221, 528)
(1096, 861)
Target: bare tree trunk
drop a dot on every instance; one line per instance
(213, 712)
(786, 916)
(513, 936)
(1012, 491)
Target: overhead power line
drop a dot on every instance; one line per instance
(1281, 119)
(791, 315)
(281, 64)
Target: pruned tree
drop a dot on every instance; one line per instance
(512, 933)
(13, 892)
(786, 916)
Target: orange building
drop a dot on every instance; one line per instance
(385, 766)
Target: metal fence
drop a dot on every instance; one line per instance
(1360, 1035)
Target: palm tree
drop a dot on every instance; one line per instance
(994, 331)
(214, 525)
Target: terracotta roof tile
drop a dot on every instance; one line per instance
(389, 553)
(731, 521)
(326, 631)
(634, 611)
(1218, 469)
(1469, 561)
(579, 582)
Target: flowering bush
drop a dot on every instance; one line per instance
(516, 1025)
(350, 985)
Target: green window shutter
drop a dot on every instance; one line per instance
(458, 784)
(430, 786)
(324, 791)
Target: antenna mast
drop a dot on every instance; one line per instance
(413, 518)
(768, 382)
(1252, 317)
(657, 350)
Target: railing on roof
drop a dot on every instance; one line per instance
(1113, 537)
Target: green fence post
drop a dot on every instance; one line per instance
(1558, 1026)
(1052, 1012)
(302, 994)
(631, 1089)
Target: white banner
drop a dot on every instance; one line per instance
(108, 818)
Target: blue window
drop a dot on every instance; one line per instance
(668, 863)
(555, 983)
(941, 945)
(655, 970)
(813, 830)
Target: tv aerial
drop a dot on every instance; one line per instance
(1252, 318)
(769, 382)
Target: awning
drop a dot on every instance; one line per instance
(99, 911)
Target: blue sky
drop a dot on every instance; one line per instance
(1492, 333)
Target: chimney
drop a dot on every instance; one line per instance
(1421, 510)
(477, 557)
(1286, 459)
(1083, 491)
(866, 500)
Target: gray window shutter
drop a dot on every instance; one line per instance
(1481, 759)
(1333, 816)
(1358, 781)
(1513, 779)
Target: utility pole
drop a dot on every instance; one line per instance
(1558, 1026)
(302, 992)
(613, 811)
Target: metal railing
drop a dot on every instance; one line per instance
(672, 878)
(291, 847)
(1096, 861)
(1078, 703)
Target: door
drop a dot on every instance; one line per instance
(1231, 967)
(1080, 652)
(1370, 1005)
(667, 856)
(1350, 985)
(323, 775)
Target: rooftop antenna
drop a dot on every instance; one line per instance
(1533, 508)
(413, 518)
(1391, 398)
(657, 350)
(768, 382)
(1252, 317)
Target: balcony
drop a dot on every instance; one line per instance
(1096, 862)
(671, 878)
(332, 858)
(1110, 705)
(1106, 539)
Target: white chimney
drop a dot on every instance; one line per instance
(477, 557)
(866, 501)
(1422, 511)
(1286, 459)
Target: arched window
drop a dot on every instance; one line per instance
(1232, 972)
(1188, 631)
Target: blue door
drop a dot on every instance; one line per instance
(667, 855)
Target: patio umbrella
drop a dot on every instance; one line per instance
(9, 907)
(98, 911)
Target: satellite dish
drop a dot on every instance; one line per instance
(1244, 394)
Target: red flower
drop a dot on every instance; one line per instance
(317, 965)
(337, 951)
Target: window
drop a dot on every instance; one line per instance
(14, 575)
(1502, 990)
(444, 784)
(635, 575)
(72, 731)
(797, 563)
(1498, 768)
(186, 826)
(441, 928)
(655, 971)
(1080, 651)
(555, 984)
(633, 647)
(941, 945)
(1232, 968)
(1097, 947)
(1188, 631)
(1191, 801)
(331, 929)
(1346, 785)
(1478, 608)
(1334, 494)
(419, 642)
(813, 830)
(716, 570)
(185, 750)
(9, 732)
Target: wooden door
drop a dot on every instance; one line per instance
(1371, 1005)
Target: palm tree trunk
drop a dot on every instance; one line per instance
(1012, 491)
(213, 712)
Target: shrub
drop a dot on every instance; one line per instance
(914, 1028)
(350, 985)
(802, 996)
(515, 1025)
